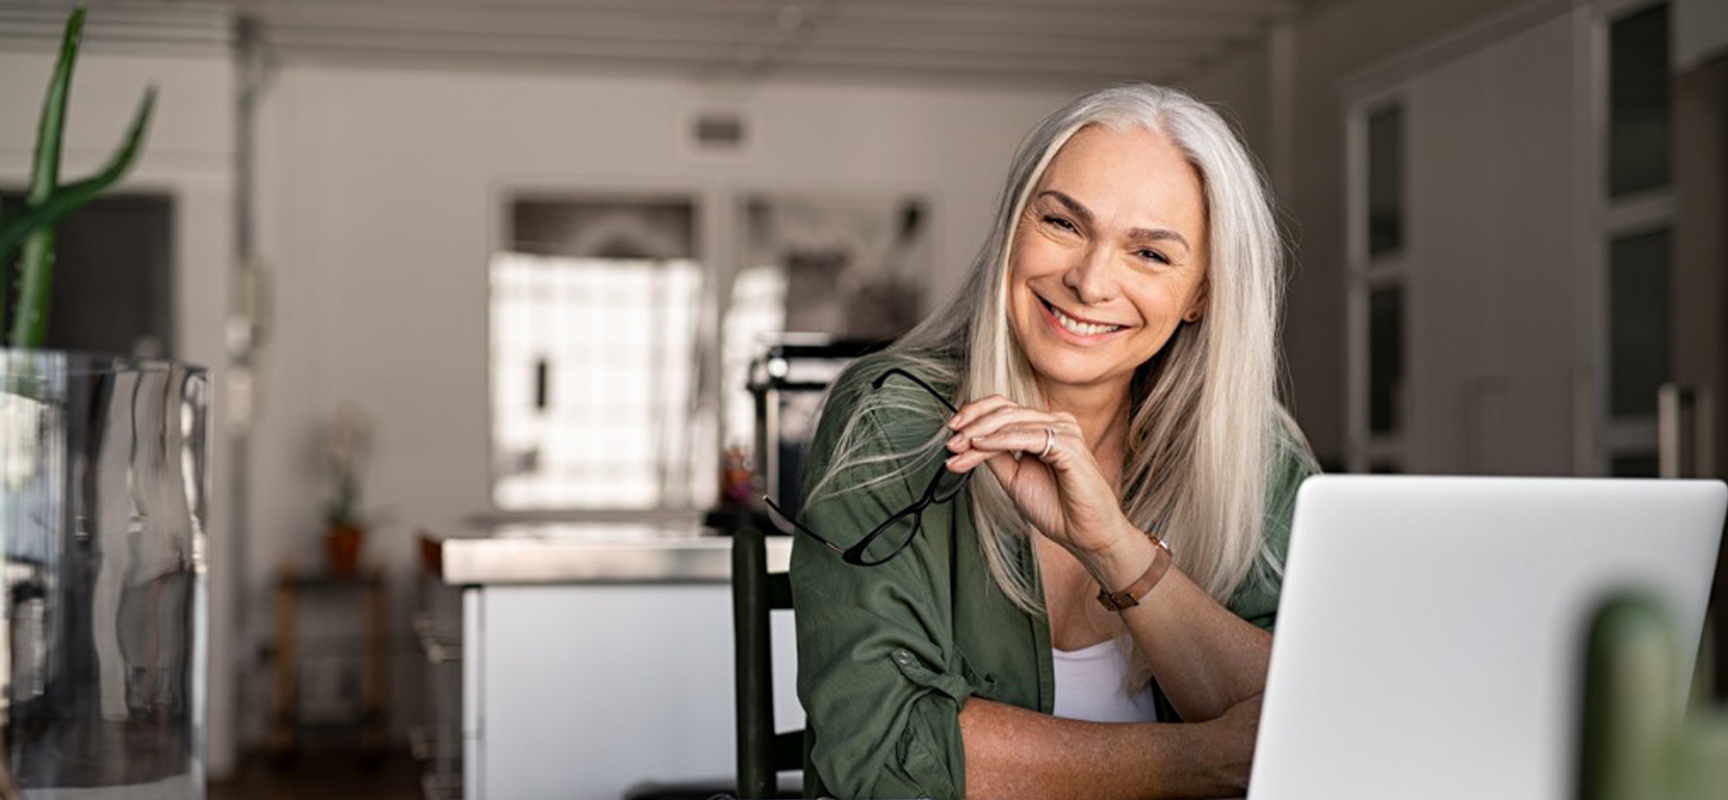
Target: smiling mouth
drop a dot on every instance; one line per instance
(1077, 327)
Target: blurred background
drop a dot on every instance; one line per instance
(508, 261)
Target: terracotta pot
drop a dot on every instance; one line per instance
(342, 545)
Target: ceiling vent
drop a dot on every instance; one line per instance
(719, 132)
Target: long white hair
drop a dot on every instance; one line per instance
(1204, 422)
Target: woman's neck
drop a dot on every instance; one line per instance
(1102, 412)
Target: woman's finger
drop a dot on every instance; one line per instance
(1006, 417)
(1006, 444)
(969, 460)
(977, 408)
(1002, 463)
(1039, 439)
(991, 414)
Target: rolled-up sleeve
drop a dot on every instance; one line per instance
(878, 673)
(1256, 599)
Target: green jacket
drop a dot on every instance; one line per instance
(887, 654)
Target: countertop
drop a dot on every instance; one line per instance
(597, 553)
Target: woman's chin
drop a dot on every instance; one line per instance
(1067, 373)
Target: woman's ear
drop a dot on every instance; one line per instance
(1197, 309)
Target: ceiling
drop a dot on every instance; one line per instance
(1010, 42)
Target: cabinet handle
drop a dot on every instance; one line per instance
(1584, 434)
(1677, 454)
(1703, 433)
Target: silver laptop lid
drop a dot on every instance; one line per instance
(1430, 631)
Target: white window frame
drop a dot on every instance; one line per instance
(1602, 219)
(1365, 449)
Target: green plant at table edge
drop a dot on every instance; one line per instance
(48, 201)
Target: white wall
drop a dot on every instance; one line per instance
(381, 196)
(189, 156)
(1238, 87)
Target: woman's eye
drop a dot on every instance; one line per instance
(1151, 255)
(1059, 222)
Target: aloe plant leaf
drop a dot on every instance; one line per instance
(30, 322)
(50, 131)
(70, 197)
(38, 254)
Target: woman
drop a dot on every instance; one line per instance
(1047, 524)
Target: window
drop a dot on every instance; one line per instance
(1379, 279)
(113, 276)
(1640, 300)
(1640, 127)
(1385, 181)
(1385, 358)
(594, 314)
(619, 357)
(1634, 220)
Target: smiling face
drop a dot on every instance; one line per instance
(1109, 256)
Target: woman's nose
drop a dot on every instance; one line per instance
(1091, 278)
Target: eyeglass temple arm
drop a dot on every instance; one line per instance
(781, 513)
(883, 378)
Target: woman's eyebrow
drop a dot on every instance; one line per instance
(1137, 234)
(1158, 235)
(1074, 206)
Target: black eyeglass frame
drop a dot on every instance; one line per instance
(932, 495)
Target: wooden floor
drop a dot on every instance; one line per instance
(325, 776)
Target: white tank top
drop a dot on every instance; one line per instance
(1089, 686)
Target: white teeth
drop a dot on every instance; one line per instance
(1082, 328)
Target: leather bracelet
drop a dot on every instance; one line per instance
(1130, 597)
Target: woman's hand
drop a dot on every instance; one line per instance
(1210, 662)
(1228, 749)
(1056, 482)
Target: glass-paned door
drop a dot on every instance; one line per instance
(1379, 232)
(1635, 253)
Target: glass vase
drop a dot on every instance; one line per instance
(103, 493)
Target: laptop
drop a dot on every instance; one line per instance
(1431, 629)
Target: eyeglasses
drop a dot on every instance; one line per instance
(901, 527)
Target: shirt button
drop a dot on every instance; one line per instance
(903, 657)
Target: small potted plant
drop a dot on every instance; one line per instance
(348, 445)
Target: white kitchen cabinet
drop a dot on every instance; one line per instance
(585, 687)
(1494, 286)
